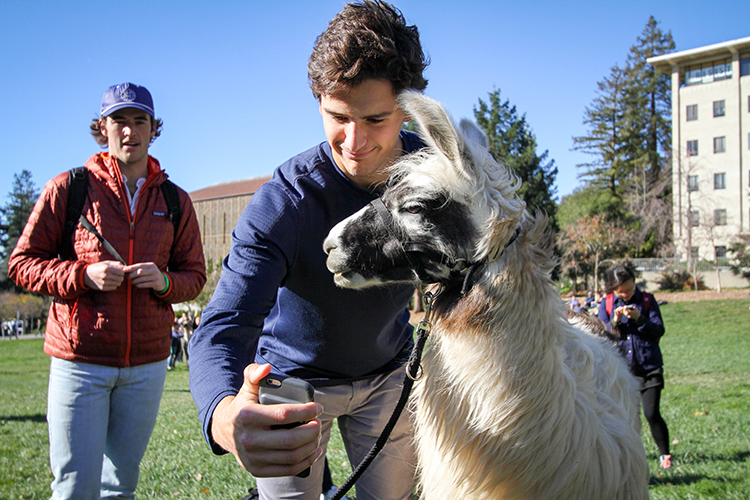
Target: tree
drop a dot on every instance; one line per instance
(596, 238)
(648, 119)
(23, 306)
(512, 143)
(15, 214)
(740, 248)
(649, 104)
(605, 140)
(586, 201)
(629, 139)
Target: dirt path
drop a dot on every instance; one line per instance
(702, 295)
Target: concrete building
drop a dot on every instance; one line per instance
(710, 146)
(218, 208)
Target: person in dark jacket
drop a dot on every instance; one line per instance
(276, 306)
(635, 316)
(109, 325)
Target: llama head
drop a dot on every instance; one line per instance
(444, 208)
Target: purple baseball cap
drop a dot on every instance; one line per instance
(126, 95)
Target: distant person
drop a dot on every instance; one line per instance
(574, 304)
(276, 306)
(176, 350)
(109, 324)
(590, 300)
(187, 322)
(635, 315)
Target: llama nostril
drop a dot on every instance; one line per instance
(328, 245)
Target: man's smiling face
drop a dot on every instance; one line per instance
(362, 126)
(129, 132)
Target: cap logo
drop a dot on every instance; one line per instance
(126, 93)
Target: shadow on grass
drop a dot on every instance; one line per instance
(675, 478)
(25, 418)
(737, 456)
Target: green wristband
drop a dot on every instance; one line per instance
(166, 287)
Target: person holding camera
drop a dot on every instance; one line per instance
(276, 305)
(635, 316)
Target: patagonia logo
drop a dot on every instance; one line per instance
(159, 213)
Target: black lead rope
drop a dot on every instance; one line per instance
(413, 373)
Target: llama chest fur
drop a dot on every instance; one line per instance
(493, 425)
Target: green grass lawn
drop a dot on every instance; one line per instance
(706, 404)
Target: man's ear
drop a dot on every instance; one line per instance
(102, 128)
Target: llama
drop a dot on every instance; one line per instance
(515, 402)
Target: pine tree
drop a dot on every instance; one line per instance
(649, 103)
(512, 143)
(606, 139)
(15, 214)
(629, 137)
(649, 125)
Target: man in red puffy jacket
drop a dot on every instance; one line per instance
(109, 325)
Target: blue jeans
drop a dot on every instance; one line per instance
(362, 409)
(100, 421)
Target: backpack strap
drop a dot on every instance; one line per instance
(609, 302)
(78, 187)
(172, 198)
(647, 299)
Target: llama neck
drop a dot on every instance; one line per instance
(512, 315)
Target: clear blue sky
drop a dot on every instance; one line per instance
(229, 78)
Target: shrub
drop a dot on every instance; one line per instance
(672, 281)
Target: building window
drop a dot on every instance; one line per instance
(708, 72)
(720, 180)
(745, 66)
(692, 112)
(694, 252)
(720, 217)
(719, 108)
(692, 183)
(720, 144)
(692, 148)
(721, 252)
(695, 218)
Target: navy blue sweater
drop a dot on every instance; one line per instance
(276, 301)
(639, 339)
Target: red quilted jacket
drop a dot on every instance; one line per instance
(128, 326)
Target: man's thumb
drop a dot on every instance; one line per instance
(253, 374)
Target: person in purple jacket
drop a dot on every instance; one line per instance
(276, 307)
(635, 315)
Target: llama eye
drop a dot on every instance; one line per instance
(414, 209)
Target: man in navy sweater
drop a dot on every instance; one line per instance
(276, 307)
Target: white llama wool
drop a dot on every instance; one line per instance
(516, 402)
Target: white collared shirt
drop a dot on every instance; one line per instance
(133, 198)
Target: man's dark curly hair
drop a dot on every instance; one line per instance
(367, 40)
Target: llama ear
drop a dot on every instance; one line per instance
(473, 133)
(435, 126)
